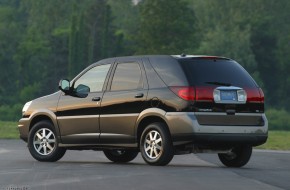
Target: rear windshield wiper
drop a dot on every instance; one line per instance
(219, 83)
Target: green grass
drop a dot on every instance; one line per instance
(277, 140)
(9, 130)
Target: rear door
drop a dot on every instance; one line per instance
(123, 102)
(78, 118)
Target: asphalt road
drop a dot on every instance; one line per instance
(91, 170)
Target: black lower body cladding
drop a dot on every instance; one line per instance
(231, 120)
(222, 139)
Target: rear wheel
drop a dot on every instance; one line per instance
(156, 145)
(43, 143)
(237, 157)
(120, 155)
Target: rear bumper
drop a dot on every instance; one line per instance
(221, 139)
(187, 127)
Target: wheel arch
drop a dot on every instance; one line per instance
(148, 116)
(45, 115)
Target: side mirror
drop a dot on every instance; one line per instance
(64, 85)
(82, 91)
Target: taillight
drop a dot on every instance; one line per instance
(255, 95)
(184, 92)
(203, 94)
(262, 97)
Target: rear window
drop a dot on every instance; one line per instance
(220, 72)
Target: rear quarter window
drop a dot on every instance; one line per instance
(205, 72)
(169, 70)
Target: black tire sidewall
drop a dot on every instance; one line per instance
(127, 156)
(243, 153)
(167, 153)
(53, 156)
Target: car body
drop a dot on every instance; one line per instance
(159, 105)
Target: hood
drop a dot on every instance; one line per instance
(48, 102)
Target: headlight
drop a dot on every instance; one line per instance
(25, 107)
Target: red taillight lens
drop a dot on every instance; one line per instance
(184, 92)
(204, 94)
(262, 97)
(255, 95)
(194, 94)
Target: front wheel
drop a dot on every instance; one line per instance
(121, 156)
(43, 143)
(237, 157)
(156, 145)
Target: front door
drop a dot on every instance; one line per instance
(78, 118)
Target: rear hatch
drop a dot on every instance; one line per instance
(224, 92)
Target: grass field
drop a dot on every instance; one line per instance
(278, 140)
(8, 130)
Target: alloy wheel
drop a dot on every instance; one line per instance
(44, 141)
(153, 144)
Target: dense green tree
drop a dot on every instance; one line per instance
(42, 54)
(12, 25)
(92, 35)
(225, 32)
(166, 27)
(126, 16)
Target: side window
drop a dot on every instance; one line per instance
(127, 76)
(94, 78)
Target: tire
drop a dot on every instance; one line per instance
(238, 157)
(120, 156)
(155, 145)
(43, 143)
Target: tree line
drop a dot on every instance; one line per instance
(44, 41)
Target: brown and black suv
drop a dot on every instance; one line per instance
(157, 105)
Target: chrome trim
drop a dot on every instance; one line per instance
(78, 117)
(113, 134)
(228, 88)
(84, 134)
(94, 116)
(217, 95)
(120, 115)
(96, 134)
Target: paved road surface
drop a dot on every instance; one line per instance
(91, 170)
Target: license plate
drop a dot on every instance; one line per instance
(229, 95)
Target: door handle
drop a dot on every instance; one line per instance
(139, 95)
(96, 99)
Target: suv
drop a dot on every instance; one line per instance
(158, 105)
